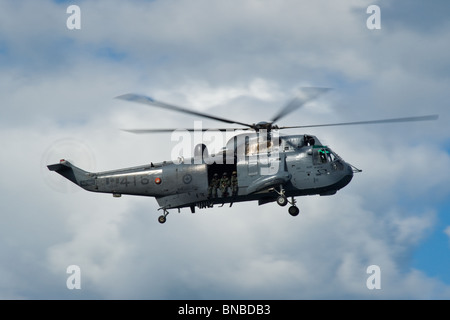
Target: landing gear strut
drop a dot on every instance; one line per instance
(293, 209)
(162, 218)
(282, 201)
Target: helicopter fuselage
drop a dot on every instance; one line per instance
(299, 165)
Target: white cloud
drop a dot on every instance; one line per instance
(242, 64)
(447, 231)
(201, 95)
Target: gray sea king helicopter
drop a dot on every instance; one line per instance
(256, 164)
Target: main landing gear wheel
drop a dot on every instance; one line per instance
(282, 201)
(162, 219)
(293, 210)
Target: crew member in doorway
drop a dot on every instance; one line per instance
(213, 186)
(224, 184)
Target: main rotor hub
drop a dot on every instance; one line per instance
(264, 125)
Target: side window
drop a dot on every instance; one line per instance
(322, 155)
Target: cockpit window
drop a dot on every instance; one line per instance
(323, 155)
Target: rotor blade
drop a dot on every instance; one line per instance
(407, 119)
(143, 131)
(152, 102)
(305, 95)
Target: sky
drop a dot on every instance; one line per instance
(241, 60)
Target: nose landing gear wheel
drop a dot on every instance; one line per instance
(293, 211)
(282, 201)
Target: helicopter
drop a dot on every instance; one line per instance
(257, 164)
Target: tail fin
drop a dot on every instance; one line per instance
(78, 176)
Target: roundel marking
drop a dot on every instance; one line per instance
(187, 178)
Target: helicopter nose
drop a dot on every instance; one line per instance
(349, 173)
(345, 175)
(349, 170)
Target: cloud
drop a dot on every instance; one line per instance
(447, 231)
(57, 91)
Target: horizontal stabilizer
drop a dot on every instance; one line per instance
(69, 171)
(55, 167)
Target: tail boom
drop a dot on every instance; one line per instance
(84, 179)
